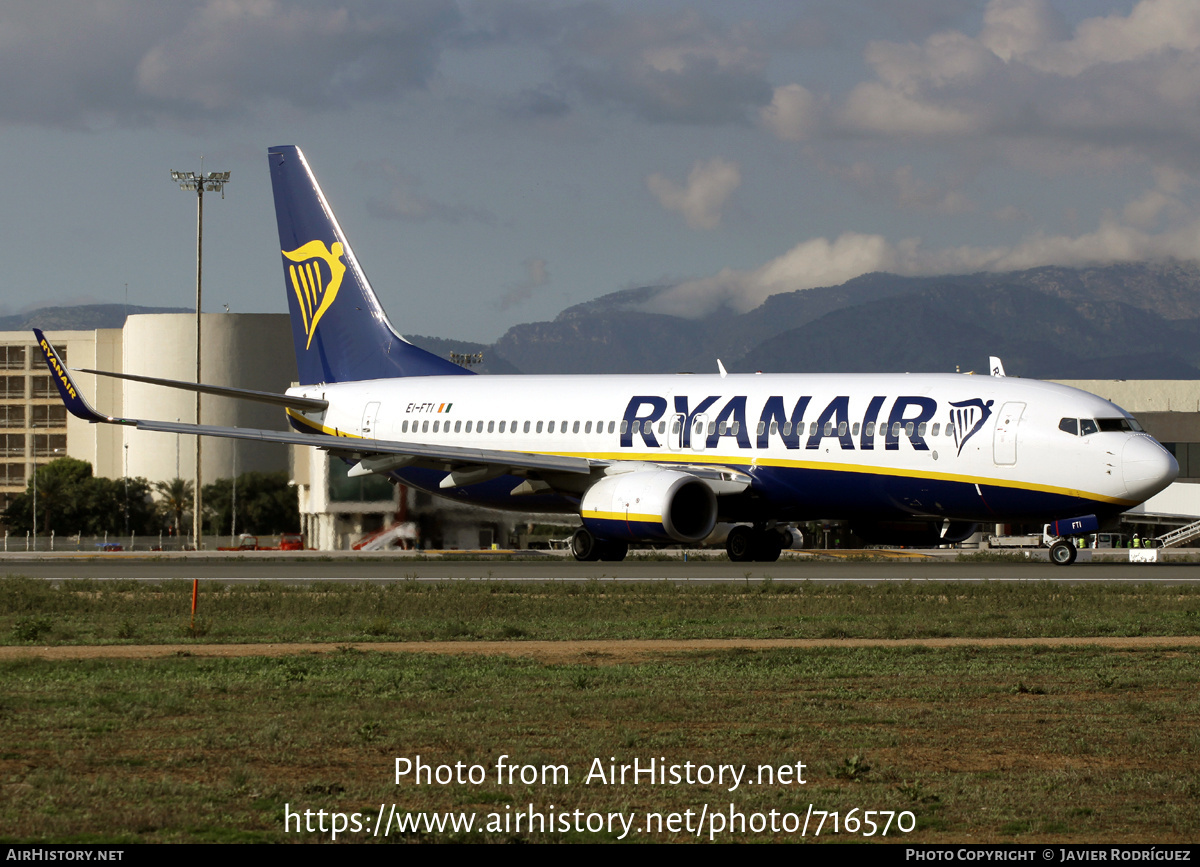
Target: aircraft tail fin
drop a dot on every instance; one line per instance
(340, 330)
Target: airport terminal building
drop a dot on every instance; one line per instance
(252, 351)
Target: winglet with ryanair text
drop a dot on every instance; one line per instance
(75, 402)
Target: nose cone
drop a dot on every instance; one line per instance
(1146, 467)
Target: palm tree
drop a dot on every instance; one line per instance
(174, 498)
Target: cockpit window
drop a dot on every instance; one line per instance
(1070, 425)
(1117, 424)
(1087, 426)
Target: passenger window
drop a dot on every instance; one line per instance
(896, 429)
(775, 427)
(662, 427)
(456, 426)
(712, 428)
(612, 425)
(624, 426)
(828, 429)
(575, 428)
(936, 427)
(425, 427)
(787, 429)
(587, 428)
(737, 426)
(478, 426)
(854, 431)
(949, 429)
(870, 429)
(721, 429)
(675, 426)
(841, 428)
(1087, 426)
(699, 427)
(1069, 425)
(549, 429)
(435, 426)
(501, 427)
(812, 429)
(762, 428)
(908, 430)
(636, 425)
(404, 427)
(921, 429)
(492, 426)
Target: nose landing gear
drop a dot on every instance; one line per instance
(1063, 553)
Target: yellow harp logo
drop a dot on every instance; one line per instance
(315, 290)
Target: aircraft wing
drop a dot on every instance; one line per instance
(373, 453)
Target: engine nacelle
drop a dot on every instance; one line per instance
(651, 505)
(921, 534)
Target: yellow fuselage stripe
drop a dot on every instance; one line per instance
(708, 458)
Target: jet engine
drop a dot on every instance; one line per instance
(650, 505)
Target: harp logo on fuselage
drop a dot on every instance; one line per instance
(316, 278)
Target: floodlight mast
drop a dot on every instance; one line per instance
(198, 182)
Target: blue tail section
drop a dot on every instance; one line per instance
(338, 325)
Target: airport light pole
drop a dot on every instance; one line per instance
(199, 182)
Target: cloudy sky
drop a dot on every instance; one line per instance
(496, 161)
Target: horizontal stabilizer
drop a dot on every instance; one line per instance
(294, 401)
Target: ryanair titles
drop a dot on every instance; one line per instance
(58, 370)
(704, 423)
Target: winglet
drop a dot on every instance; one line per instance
(71, 395)
(997, 367)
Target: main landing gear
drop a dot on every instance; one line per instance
(1063, 553)
(745, 544)
(588, 548)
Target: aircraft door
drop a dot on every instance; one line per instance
(368, 420)
(699, 432)
(1004, 445)
(675, 432)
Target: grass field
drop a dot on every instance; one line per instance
(977, 743)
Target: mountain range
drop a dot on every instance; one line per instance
(1128, 321)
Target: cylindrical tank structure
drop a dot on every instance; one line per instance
(243, 350)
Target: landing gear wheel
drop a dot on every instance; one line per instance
(1062, 553)
(768, 546)
(585, 546)
(739, 545)
(613, 551)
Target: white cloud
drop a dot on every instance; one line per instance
(793, 114)
(1122, 87)
(537, 275)
(400, 198)
(709, 185)
(820, 262)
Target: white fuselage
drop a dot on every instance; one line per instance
(822, 445)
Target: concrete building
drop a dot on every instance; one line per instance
(242, 350)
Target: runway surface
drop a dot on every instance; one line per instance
(107, 567)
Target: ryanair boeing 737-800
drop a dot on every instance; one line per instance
(903, 458)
